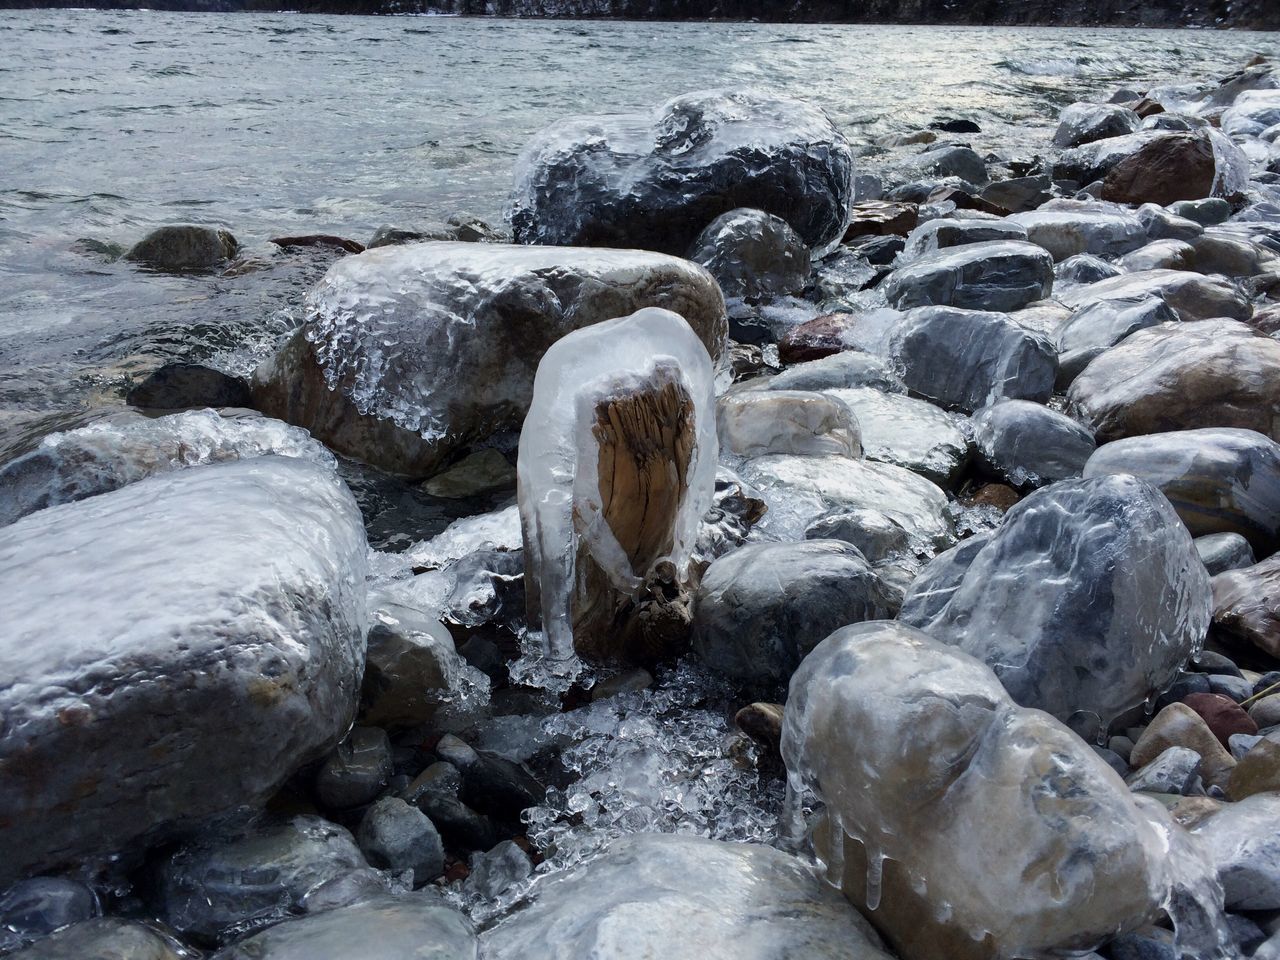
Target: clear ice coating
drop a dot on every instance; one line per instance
(655, 179)
(991, 275)
(111, 453)
(1086, 601)
(908, 433)
(653, 895)
(561, 505)
(991, 831)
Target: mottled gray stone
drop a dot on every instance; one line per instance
(935, 235)
(877, 536)
(753, 255)
(1065, 228)
(1243, 840)
(1099, 326)
(1086, 122)
(1028, 444)
(1224, 551)
(396, 836)
(184, 247)
(996, 275)
(909, 433)
(356, 771)
(105, 938)
(1083, 268)
(1191, 295)
(1163, 224)
(1176, 770)
(947, 160)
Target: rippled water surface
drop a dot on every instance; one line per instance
(113, 122)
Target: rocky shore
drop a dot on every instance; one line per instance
(864, 563)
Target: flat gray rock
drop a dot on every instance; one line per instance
(1028, 444)
(996, 275)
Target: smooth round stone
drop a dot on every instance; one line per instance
(1206, 212)
(411, 666)
(996, 275)
(1191, 295)
(1266, 712)
(1257, 772)
(1220, 480)
(34, 908)
(753, 423)
(1160, 255)
(1065, 228)
(407, 928)
(1028, 444)
(1223, 715)
(908, 433)
(1176, 770)
(485, 471)
(105, 938)
(762, 608)
(753, 255)
(1177, 725)
(877, 536)
(1246, 605)
(935, 235)
(397, 837)
(1224, 551)
(1243, 840)
(1086, 122)
(847, 369)
(1084, 268)
(1163, 224)
(1099, 326)
(180, 247)
(356, 771)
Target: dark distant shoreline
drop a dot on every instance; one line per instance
(1216, 14)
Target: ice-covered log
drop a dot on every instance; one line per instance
(655, 179)
(617, 467)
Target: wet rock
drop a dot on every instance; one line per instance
(401, 928)
(356, 771)
(1084, 268)
(397, 837)
(758, 422)
(1176, 770)
(998, 275)
(1224, 551)
(877, 251)
(1086, 122)
(319, 240)
(762, 722)
(144, 668)
(411, 668)
(1191, 295)
(1029, 444)
(849, 368)
(412, 353)
(998, 495)
(1177, 725)
(908, 433)
(105, 938)
(1266, 712)
(881, 218)
(496, 870)
(1220, 480)
(1097, 327)
(435, 792)
(1086, 600)
(34, 908)
(1091, 161)
(935, 235)
(1206, 212)
(656, 895)
(1067, 228)
(485, 471)
(1182, 376)
(184, 247)
(1043, 317)
(1018, 194)
(1160, 255)
(458, 226)
(491, 784)
(877, 536)
(762, 608)
(224, 884)
(1164, 224)
(178, 385)
(798, 490)
(947, 160)
(899, 809)
(815, 339)
(1243, 840)
(654, 179)
(753, 255)
(1257, 772)
(1246, 605)
(1223, 715)
(1179, 166)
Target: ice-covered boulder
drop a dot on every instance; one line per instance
(1028, 444)
(1220, 480)
(1164, 224)
(105, 938)
(1067, 228)
(1085, 601)
(908, 432)
(847, 369)
(659, 895)
(753, 423)
(967, 827)
(617, 468)
(934, 235)
(127, 447)
(798, 490)
(1100, 325)
(753, 255)
(1160, 255)
(655, 179)
(1091, 161)
(1082, 268)
(410, 353)
(996, 275)
(763, 607)
(1177, 166)
(1243, 840)
(1252, 113)
(1246, 605)
(384, 928)
(1178, 376)
(173, 649)
(1086, 122)
(943, 160)
(1224, 551)
(1192, 296)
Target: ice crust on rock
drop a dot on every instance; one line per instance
(1068, 228)
(655, 179)
(753, 255)
(1193, 296)
(753, 423)
(112, 453)
(652, 895)
(993, 275)
(909, 433)
(1100, 325)
(1086, 601)
(559, 485)
(1028, 444)
(183, 643)
(992, 831)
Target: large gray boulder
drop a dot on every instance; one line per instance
(909, 433)
(934, 235)
(996, 275)
(655, 179)
(1100, 325)
(1028, 444)
(1068, 228)
(1087, 600)
(1243, 840)
(410, 353)
(753, 255)
(1086, 122)
(763, 607)
(1179, 376)
(659, 895)
(1219, 479)
(105, 938)
(1192, 296)
(171, 650)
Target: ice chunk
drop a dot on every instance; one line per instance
(562, 507)
(111, 453)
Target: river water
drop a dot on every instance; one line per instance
(114, 122)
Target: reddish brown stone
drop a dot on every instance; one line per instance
(1146, 107)
(319, 240)
(1179, 166)
(996, 495)
(1223, 715)
(966, 201)
(882, 218)
(820, 337)
(1266, 320)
